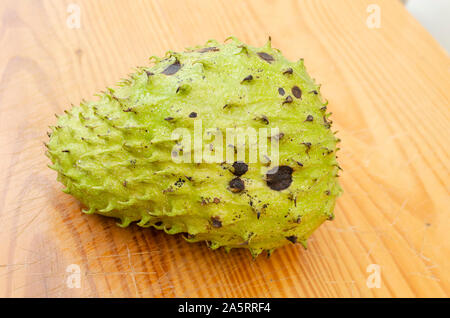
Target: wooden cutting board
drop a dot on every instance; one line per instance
(388, 89)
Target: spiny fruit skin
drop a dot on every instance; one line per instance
(114, 154)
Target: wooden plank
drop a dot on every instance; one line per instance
(388, 89)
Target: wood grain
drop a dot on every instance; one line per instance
(388, 89)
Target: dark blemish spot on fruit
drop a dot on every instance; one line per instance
(179, 182)
(208, 49)
(264, 119)
(281, 91)
(300, 164)
(279, 178)
(125, 183)
(330, 218)
(314, 92)
(168, 118)
(328, 192)
(216, 200)
(288, 100)
(193, 115)
(299, 220)
(296, 91)
(172, 69)
(63, 150)
(288, 71)
(308, 145)
(247, 78)
(291, 198)
(236, 185)
(158, 223)
(309, 118)
(266, 57)
(149, 73)
(216, 222)
(258, 214)
(129, 109)
(279, 136)
(292, 238)
(324, 108)
(240, 168)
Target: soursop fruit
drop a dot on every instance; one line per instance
(119, 157)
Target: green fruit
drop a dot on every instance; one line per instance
(116, 155)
